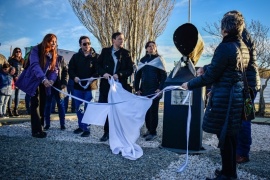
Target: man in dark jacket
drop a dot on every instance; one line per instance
(113, 62)
(82, 65)
(60, 83)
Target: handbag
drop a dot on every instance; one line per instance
(248, 112)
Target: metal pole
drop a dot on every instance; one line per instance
(189, 11)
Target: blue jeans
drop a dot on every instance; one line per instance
(244, 139)
(70, 90)
(60, 105)
(16, 99)
(87, 96)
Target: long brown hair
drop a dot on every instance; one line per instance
(45, 49)
(13, 56)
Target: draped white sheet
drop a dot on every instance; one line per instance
(125, 119)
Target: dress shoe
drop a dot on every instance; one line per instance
(85, 134)
(15, 113)
(241, 159)
(46, 128)
(39, 134)
(146, 134)
(150, 137)
(63, 127)
(105, 137)
(78, 131)
(10, 113)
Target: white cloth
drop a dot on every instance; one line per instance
(158, 62)
(126, 113)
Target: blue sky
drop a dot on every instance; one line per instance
(25, 22)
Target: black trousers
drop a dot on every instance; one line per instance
(37, 109)
(228, 156)
(103, 98)
(151, 118)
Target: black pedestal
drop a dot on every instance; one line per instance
(175, 114)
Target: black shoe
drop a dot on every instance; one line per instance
(15, 113)
(146, 134)
(39, 134)
(10, 113)
(105, 137)
(85, 134)
(46, 128)
(150, 137)
(63, 127)
(78, 131)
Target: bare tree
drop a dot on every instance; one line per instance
(259, 34)
(138, 20)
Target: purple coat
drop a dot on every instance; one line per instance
(33, 75)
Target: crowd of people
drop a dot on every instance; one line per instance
(45, 69)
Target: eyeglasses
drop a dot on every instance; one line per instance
(85, 44)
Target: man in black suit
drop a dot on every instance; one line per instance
(113, 62)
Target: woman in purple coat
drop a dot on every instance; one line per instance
(40, 74)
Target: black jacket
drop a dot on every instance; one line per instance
(148, 79)
(223, 73)
(105, 64)
(83, 67)
(18, 65)
(62, 77)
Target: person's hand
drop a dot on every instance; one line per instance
(209, 94)
(106, 76)
(115, 77)
(76, 80)
(200, 71)
(63, 86)
(46, 83)
(184, 85)
(51, 82)
(157, 91)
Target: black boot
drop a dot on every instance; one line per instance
(15, 112)
(9, 113)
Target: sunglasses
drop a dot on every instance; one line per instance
(85, 44)
(18, 51)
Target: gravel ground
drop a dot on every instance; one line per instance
(64, 155)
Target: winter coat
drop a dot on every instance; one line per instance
(34, 74)
(62, 77)
(5, 83)
(18, 65)
(83, 67)
(225, 75)
(149, 78)
(252, 73)
(124, 67)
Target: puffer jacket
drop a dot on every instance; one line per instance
(148, 79)
(252, 73)
(5, 83)
(225, 75)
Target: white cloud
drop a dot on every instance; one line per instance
(21, 43)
